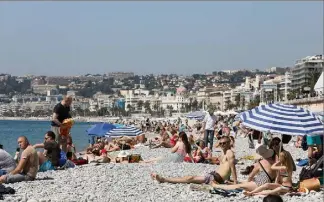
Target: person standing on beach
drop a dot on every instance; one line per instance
(209, 127)
(60, 113)
(27, 167)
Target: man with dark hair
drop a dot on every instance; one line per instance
(52, 152)
(27, 167)
(223, 173)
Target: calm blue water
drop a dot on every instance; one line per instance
(35, 131)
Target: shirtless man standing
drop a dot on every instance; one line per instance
(223, 173)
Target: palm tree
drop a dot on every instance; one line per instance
(140, 104)
(195, 104)
(147, 106)
(170, 108)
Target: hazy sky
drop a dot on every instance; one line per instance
(72, 38)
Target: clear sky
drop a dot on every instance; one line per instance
(73, 38)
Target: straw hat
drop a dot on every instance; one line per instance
(263, 151)
(123, 154)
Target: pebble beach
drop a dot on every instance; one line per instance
(132, 182)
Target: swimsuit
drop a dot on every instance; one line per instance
(263, 177)
(213, 176)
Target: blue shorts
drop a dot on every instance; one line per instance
(314, 140)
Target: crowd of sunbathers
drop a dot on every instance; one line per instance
(271, 174)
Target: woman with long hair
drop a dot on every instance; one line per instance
(179, 151)
(283, 183)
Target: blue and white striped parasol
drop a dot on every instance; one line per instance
(124, 131)
(282, 119)
(197, 115)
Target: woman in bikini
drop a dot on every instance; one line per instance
(179, 151)
(283, 182)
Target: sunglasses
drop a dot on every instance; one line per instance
(223, 143)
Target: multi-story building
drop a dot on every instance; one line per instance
(304, 70)
(43, 89)
(120, 75)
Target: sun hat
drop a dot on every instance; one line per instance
(123, 154)
(264, 152)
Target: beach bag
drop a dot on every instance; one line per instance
(316, 170)
(310, 184)
(46, 166)
(304, 145)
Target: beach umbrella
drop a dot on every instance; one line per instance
(124, 131)
(118, 125)
(100, 129)
(282, 119)
(197, 115)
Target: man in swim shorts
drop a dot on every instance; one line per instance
(223, 173)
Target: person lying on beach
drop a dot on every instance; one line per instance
(179, 151)
(260, 175)
(111, 146)
(283, 182)
(163, 137)
(51, 154)
(220, 175)
(95, 156)
(27, 167)
(168, 143)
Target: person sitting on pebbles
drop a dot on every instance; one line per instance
(283, 182)
(52, 152)
(223, 173)
(27, 167)
(261, 174)
(179, 151)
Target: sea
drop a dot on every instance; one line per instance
(35, 132)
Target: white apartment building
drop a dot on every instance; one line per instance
(43, 89)
(302, 71)
(81, 104)
(176, 101)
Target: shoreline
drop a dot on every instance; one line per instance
(86, 119)
(76, 119)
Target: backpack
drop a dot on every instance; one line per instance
(304, 145)
(316, 170)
